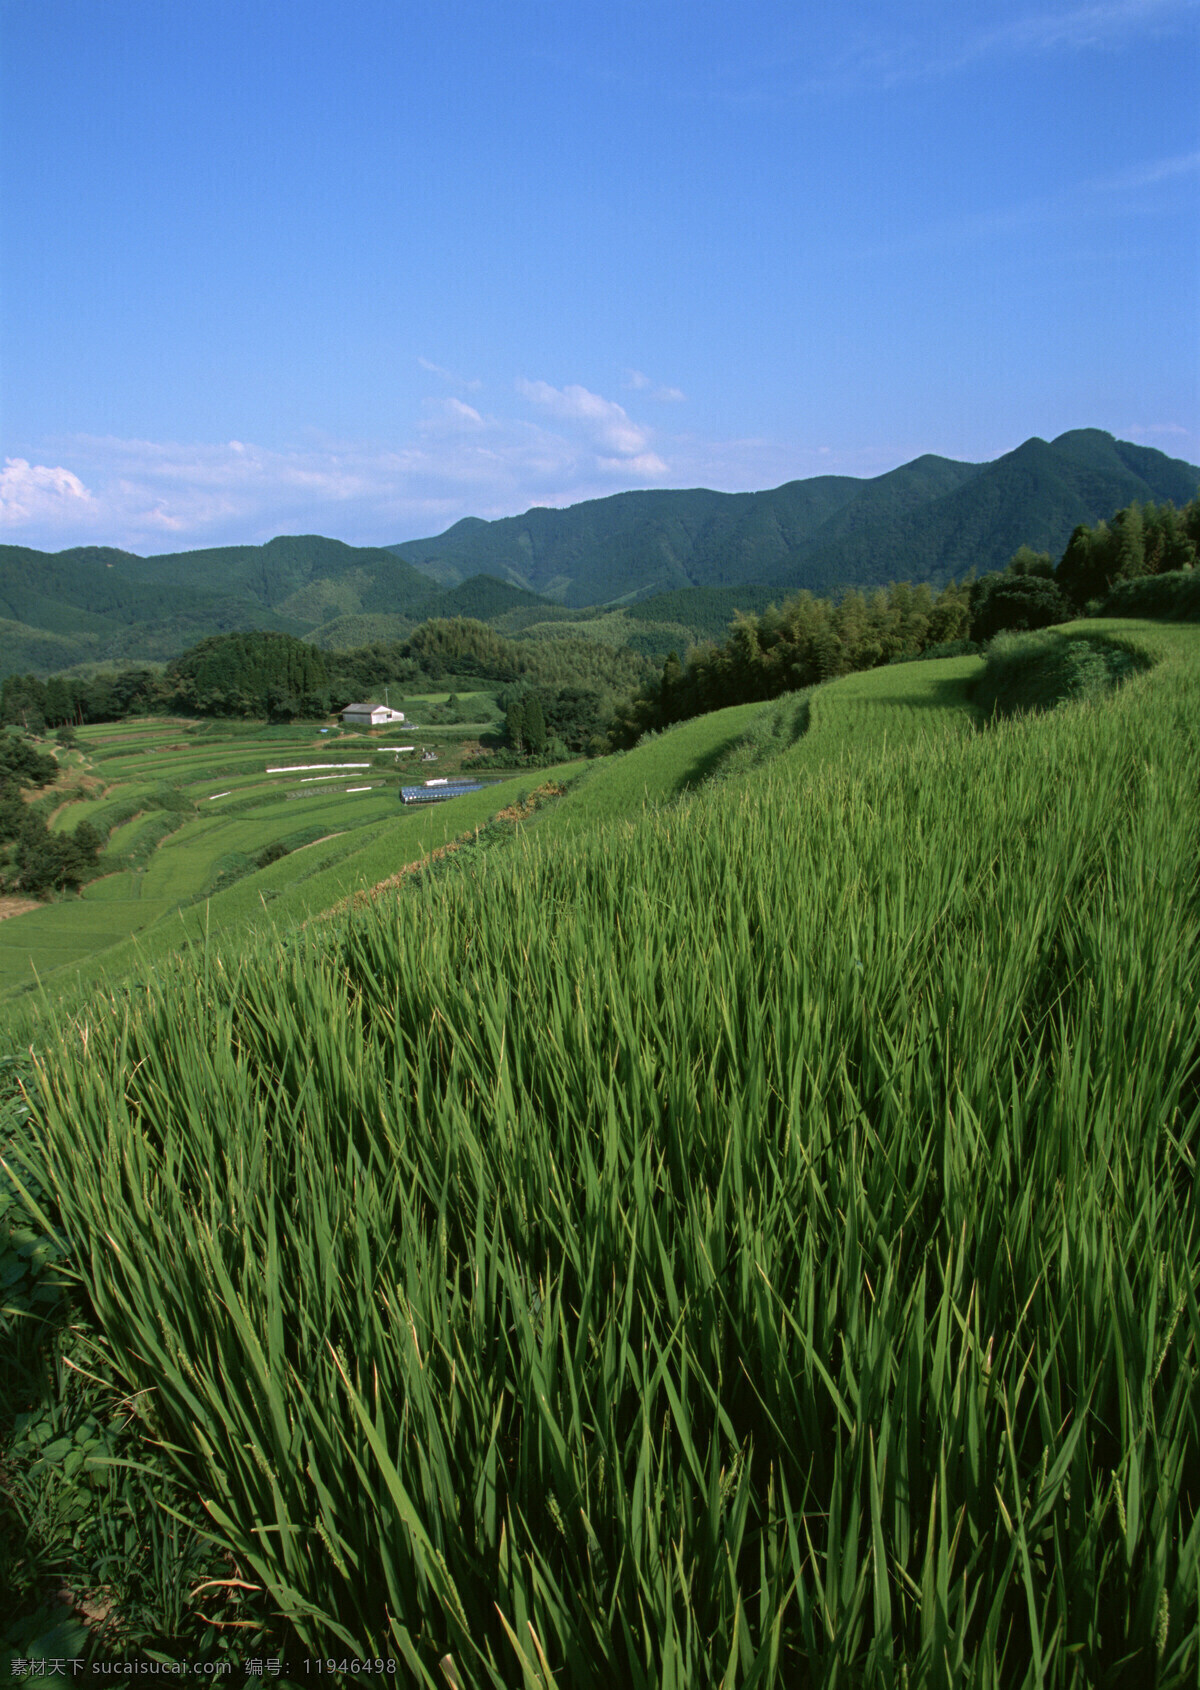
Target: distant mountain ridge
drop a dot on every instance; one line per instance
(94, 603)
(928, 520)
(711, 552)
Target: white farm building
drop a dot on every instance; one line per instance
(369, 716)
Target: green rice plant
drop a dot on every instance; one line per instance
(657, 771)
(81, 1506)
(750, 1244)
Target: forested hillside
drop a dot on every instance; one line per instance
(929, 520)
(275, 676)
(94, 604)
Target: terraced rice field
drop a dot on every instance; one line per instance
(187, 808)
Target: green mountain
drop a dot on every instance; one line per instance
(681, 561)
(926, 521)
(304, 578)
(634, 544)
(94, 604)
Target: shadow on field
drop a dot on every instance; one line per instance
(946, 693)
(774, 731)
(707, 765)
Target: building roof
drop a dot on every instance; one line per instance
(434, 794)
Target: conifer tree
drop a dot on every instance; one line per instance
(515, 725)
(535, 725)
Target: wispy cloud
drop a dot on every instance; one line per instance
(1123, 195)
(154, 496)
(470, 384)
(1169, 437)
(147, 495)
(1147, 174)
(868, 49)
(439, 412)
(638, 382)
(894, 59)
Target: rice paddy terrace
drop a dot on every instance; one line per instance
(189, 810)
(741, 1238)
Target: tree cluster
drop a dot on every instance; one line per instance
(254, 674)
(71, 700)
(1141, 540)
(1026, 595)
(525, 725)
(575, 718)
(22, 764)
(32, 859)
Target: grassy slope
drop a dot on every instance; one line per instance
(378, 838)
(619, 789)
(802, 1178)
(897, 703)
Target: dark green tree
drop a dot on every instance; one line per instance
(1130, 562)
(514, 723)
(48, 862)
(535, 725)
(253, 674)
(1003, 602)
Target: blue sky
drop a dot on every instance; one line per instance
(362, 268)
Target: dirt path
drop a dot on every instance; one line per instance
(319, 841)
(13, 905)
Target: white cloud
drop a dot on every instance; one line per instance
(41, 493)
(154, 496)
(453, 411)
(1147, 174)
(1169, 437)
(876, 62)
(1077, 26)
(647, 464)
(636, 381)
(606, 422)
